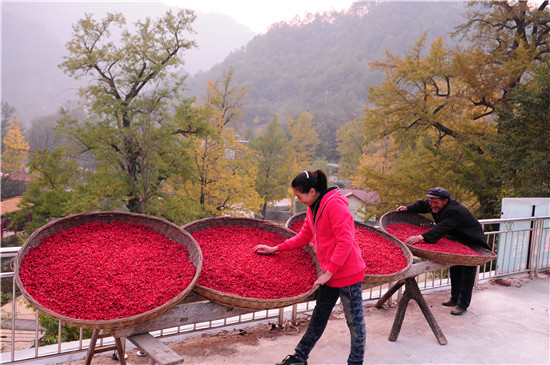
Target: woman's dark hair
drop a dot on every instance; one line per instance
(306, 180)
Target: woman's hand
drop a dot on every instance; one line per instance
(401, 208)
(266, 250)
(323, 278)
(414, 239)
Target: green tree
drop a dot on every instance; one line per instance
(225, 100)
(522, 145)
(274, 170)
(50, 192)
(68, 332)
(508, 38)
(440, 109)
(351, 139)
(137, 123)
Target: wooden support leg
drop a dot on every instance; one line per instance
(120, 351)
(417, 296)
(413, 292)
(400, 315)
(91, 348)
(119, 347)
(389, 293)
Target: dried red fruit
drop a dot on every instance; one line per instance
(296, 226)
(404, 230)
(231, 266)
(106, 271)
(381, 255)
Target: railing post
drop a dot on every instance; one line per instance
(281, 316)
(295, 313)
(538, 245)
(13, 315)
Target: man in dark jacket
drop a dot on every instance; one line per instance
(454, 219)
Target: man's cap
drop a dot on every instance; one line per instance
(439, 193)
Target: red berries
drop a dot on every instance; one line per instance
(231, 266)
(296, 226)
(381, 255)
(106, 271)
(404, 230)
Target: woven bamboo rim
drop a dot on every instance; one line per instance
(295, 218)
(236, 301)
(442, 257)
(374, 280)
(164, 227)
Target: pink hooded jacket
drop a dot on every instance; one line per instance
(333, 235)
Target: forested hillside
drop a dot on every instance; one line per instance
(320, 64)
(34, 35)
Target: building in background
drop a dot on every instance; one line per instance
(359, 200)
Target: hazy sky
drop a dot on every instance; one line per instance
(258, 15)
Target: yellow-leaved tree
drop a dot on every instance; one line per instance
(351, 140)
(16, 148)
(419, 131)
(303, 143)
(224, 169)
(224, 176)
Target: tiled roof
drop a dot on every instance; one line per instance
(10, 205)
(367, 197)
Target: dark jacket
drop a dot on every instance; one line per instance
(453, 219)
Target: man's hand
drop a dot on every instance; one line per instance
(402, 208)
(414, 239)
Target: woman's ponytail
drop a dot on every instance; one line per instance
(306, 180)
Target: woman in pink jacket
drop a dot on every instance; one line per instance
(329, 225)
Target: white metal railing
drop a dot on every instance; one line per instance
(522, 245)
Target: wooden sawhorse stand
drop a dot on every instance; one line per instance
(118, 346)
(193, 308)
(413, 292)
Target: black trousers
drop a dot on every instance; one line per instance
(462, 284)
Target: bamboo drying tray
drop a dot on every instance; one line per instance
(232, 300)
(164, 227)
(442, 257)
(373, 280)
(295, 218)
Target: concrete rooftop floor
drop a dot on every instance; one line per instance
(504, 325)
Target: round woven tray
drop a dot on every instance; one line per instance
(164, 227)
(442, 257)
(383, 279)
(232, 300)
(295, 218)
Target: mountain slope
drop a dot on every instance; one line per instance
(34, 35)
(321, 64)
